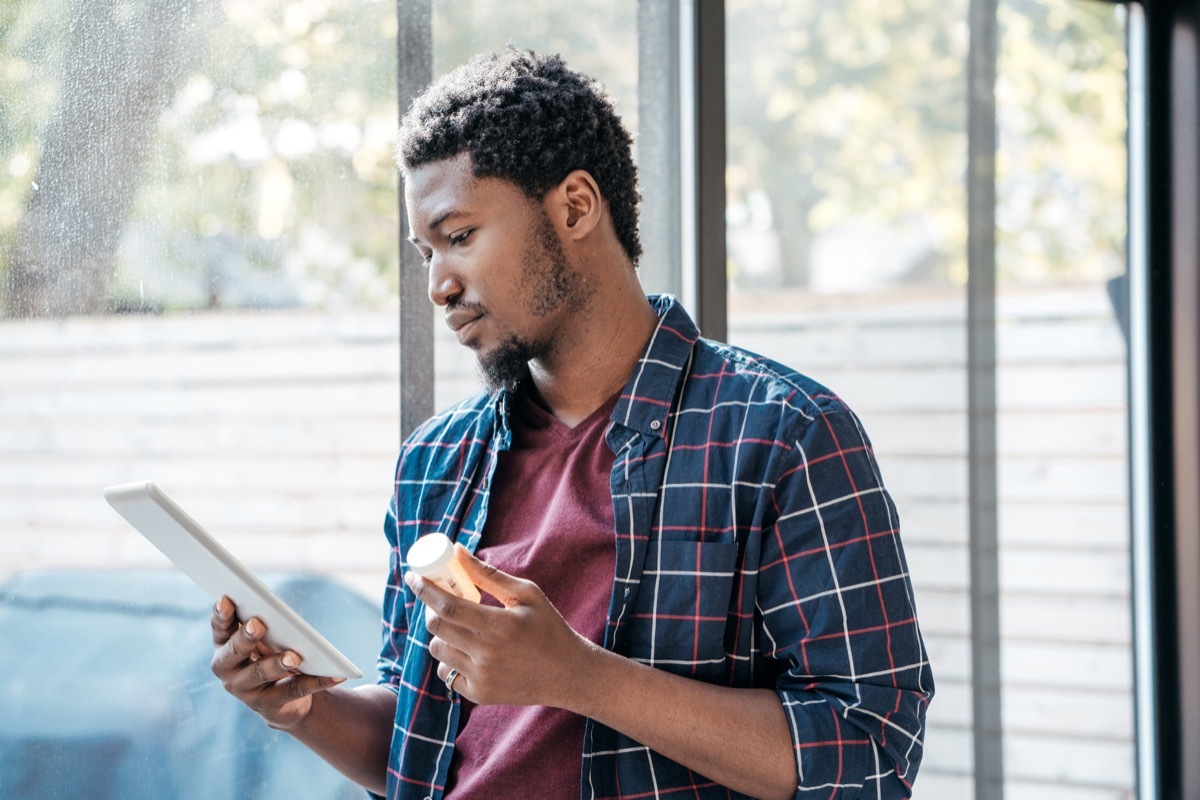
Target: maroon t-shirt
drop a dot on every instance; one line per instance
(550, 520)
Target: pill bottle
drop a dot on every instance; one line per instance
(433, 557)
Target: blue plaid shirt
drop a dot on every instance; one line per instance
(755, 547)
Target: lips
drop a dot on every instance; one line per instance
(460, 320)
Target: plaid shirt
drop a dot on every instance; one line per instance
(755, 547)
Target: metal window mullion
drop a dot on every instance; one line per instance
(660, 157)
(681, 154)
(414, 71)
(703, 58)
(983, 534)
(1140, 452)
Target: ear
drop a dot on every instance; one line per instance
(576, 205)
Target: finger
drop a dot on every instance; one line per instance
(223, 621)
(509, 590)
(448, 656)
(460, 683)
(441, 607)
(264, 672)
(298, 686)
(268, 700)
(240, 647)
(434, 596)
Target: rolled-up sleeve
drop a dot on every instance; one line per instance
(838, 612)
(394, 617)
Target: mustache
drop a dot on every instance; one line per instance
(463, 305)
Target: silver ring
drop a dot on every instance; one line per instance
(450, 680)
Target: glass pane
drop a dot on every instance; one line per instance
(198, 240)
(846, 229)
(596, 37)
(1061, 383)
(846, 234)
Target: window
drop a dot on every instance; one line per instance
(848, 243)
(200, 263)
(197, 228)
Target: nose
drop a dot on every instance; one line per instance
(443, 286)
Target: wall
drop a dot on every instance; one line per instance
(278, 431)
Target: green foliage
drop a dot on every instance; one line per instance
(851, 116)
(30, 37)
(276, 156)
(1061, 166)
(848, 111)
(596, 37)
(270, 179)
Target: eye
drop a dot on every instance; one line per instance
(422, 252)
(461, 238)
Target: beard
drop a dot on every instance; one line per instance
(552, 282)
(507, 365)
(553, 285)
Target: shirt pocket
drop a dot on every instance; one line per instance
(682, 609)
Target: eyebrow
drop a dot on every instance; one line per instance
(437, 222)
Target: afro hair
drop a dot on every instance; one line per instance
(531, 120)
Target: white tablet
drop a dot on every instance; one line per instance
(217, 572)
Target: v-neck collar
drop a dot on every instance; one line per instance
(536, 418)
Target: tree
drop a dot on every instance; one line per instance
(242, 149)
(1061, 166)
(856, 111)
(237, 153)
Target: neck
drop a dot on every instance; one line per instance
(595, 361)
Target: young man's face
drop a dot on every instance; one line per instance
(495, 264)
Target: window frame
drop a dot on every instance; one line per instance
(1164, 256)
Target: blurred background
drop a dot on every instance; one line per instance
(199, 276)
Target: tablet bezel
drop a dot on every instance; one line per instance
(219, 573)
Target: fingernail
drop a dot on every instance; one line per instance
(290, 660)
(251, 628)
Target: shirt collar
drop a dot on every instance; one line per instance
(646, 401)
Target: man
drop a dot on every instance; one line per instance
(693, 580)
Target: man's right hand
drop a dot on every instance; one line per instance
(266, 680)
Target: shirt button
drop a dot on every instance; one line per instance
(655, 425)
(627, 591)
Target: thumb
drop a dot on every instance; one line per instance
(509, 590)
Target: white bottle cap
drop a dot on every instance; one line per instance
(430, 554)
